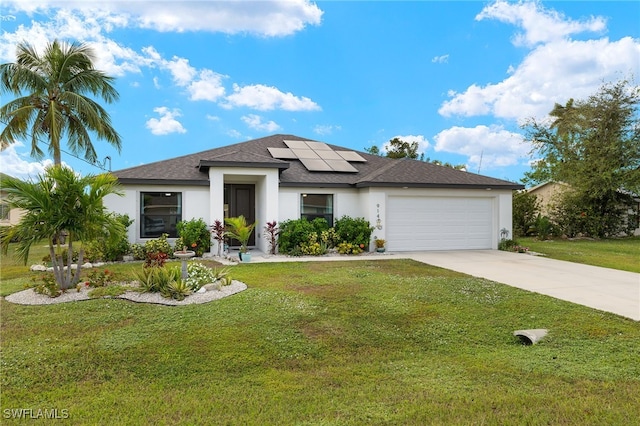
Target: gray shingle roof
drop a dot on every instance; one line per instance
(192, 169)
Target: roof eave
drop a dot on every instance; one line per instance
(248, 164)
(174, 182)
(438, 185)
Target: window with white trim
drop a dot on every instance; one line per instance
(159, 213)
(317, 205)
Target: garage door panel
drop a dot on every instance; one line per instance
(439, 223)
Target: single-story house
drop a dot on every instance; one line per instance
(549, 195)
(8, 216)
(413, 205)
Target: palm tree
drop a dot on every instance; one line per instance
(60, 200)
(239, 229)
(52, 100)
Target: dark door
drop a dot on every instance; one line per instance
(241, 199)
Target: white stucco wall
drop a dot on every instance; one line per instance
(195, 204)
(274, 203)
(346, 202)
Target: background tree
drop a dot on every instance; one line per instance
(61, 200)
(594, 146)
(52, 101)
(525, 211)
(398, 148)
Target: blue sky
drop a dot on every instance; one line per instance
(457, 77)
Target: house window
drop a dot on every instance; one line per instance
(159, 213)
(317, 205)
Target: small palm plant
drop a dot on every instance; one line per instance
(239, 229)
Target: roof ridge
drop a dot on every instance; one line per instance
(379, 171)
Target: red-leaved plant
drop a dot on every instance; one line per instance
(218, 231)
(271, 232)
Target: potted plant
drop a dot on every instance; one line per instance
(380, 245)
(239, 229)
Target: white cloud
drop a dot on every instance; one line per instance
(262, 18)
(18, 165)
(167, 122)
(326, 129)
(539, 24)
(212, 117)
(182, 72)
(551, 73)
(234, 134)
(255, 122)
(265, 98)
(555, 69)
(443, 59)
(496, 146)
(208, 87)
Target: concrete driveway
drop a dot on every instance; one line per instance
(600, 288)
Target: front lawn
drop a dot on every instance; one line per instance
(340, 343)
(622, 253)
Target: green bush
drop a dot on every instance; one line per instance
(355, 231)
(195, 235)
(525, 211)
(350, 248)
(295, 233)
(46, 284)
(158, 245)
(138, 251)
(111, 248)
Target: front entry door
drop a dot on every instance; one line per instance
(241, 199)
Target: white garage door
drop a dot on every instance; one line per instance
(439, 223)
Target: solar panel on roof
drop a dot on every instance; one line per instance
(329, 155)
(351, 156)
(318, 146)
(305, 153)
(282, 153)
(341, 166)
(317, 156)
(296, 144)
(316, 165)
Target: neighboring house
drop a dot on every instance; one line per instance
(549, 194)
(8, 216)
(413, 205)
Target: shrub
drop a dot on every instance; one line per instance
(313, 247)
(98, 278)
(158, 245)
(194, 234)
(507, 245)
(138, 251)
(111, 248)
(350, 248)
(65, 252)
(155, 259)
(525, 211)
(355, 231)
(544, 227)
(293, 233)
(46, 284)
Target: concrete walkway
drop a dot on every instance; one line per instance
(600, 288)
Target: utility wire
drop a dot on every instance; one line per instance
(94, 164)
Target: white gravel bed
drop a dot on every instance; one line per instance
(30, 297)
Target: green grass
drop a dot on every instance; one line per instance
(623, 253)
(326, 343)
